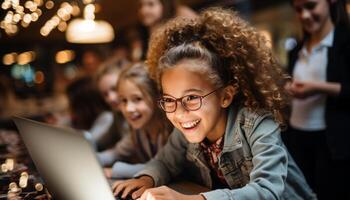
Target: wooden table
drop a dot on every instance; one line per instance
(187, 187)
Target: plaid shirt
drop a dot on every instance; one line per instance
(212, 152)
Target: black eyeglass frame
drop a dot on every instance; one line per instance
(201, 97)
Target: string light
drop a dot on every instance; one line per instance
(9, 58)
(39, 2)
(59, 20)
(26, 57)
(39, 77)
(62, 26)
(49, 4)
(19, 14)
(64, 56)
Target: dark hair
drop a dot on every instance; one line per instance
(85, 102)
(169, 9)
(338, 12)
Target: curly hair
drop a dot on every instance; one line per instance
(235, 52)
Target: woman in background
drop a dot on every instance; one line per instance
(153, 13)
(318, 135)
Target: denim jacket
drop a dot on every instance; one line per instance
(254, 161)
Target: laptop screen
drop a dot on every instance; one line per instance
(65, 160)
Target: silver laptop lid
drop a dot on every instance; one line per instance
(65, 160)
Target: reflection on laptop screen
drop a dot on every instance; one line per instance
(65, 160)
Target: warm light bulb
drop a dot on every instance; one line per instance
(49, 4)
(89, 31)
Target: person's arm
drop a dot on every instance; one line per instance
(302, 89)
(329, 88)
(107, 157)
(122, 170)
(167, 164)
(122, 150)
(169, 161)
(270, 165)
(101, 126)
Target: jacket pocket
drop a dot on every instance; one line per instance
(236, 168)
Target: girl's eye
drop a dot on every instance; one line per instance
(137, 99)
(123, 100)
(307, 6)
(191, 98)
(310, 5)
(167, 100)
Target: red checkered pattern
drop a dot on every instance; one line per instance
(212, 152)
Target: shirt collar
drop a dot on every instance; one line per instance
(325, 42)
(328, 40)
(218, 144)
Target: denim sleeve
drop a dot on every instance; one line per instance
(270, 161)
(169, 160)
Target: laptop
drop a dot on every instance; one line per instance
(65, 160)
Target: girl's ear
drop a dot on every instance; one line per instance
(228, 94)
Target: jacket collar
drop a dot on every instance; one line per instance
(230, 137)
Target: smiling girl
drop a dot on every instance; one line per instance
(223, 91)
(149, 126)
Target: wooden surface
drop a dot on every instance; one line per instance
(182, 186)
(187, 187)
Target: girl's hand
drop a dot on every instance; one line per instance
(134, 186)
(303, 90)
(165, 193)
(288, 87)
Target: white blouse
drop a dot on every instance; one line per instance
(309, 114)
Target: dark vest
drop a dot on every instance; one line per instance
(337, 114)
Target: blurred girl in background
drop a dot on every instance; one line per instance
(106, 80)
(89, 111)
(149, 128)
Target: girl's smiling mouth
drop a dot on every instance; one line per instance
(190, 124)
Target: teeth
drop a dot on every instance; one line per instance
(190, 124)
(135, 116)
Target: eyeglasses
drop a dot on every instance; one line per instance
(189, 102)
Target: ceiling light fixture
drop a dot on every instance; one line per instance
(89, 30)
